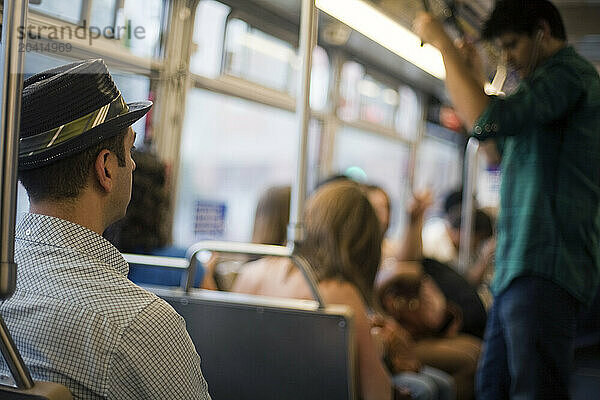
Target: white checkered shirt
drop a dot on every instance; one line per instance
(79, 321)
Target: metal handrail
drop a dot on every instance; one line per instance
(158, 261)
(13, 18)
(466, 215)
(255, 250)
(308, 36)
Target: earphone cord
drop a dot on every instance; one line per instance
(535, 53)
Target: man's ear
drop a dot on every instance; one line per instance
(543, 30)
(103, 170)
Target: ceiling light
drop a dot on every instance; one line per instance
(380, 28)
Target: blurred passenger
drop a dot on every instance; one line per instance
(441, 238)
(548, 136)
(272, 216)
(462, 296)
(270, 227)
(438, 241)
(381, 203)
(343, 244)
(407, 292)
(75, 316)
(144, 229)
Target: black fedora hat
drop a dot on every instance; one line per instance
(69, 108)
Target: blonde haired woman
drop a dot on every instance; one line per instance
(343, 244)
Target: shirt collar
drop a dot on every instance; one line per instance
(58, 232)
(565, 52)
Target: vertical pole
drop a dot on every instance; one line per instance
(466, 215)
(14, 16)
(172, 91)
(331, 122)
(12, 87)
(308, 31)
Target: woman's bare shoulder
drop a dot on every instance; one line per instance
(254, 273)
(335, 291)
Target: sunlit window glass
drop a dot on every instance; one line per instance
(377, 160)
(408, 116)
(251, 54)
(143, 23)
(37, 62)
(352, 73)
(365, 98)
(258, 57)
(67, 10)
(209, 32)
(377, 102)
(438, 167)
(231, 151)
(319, 79)
(103, 14)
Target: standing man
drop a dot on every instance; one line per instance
(548, 134)
(75, 316)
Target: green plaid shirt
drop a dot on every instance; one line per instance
(548, 133)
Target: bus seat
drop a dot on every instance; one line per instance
(40, 391)
(255, 347)
(161, 270)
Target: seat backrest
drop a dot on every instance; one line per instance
(254, 347)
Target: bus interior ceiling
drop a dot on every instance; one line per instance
(580, 16)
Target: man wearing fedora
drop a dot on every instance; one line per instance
(75, 316)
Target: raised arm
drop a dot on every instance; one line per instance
(466, 92)
(411, 246)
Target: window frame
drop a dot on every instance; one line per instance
(108, 49)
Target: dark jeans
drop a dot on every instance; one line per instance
(528, 347)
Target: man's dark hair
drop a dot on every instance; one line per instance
(518, 16)
(66, 178)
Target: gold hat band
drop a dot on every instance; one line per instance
(43, 141)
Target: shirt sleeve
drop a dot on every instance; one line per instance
(546, 97)
(157, 359)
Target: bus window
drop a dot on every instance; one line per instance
(438, 168)
(145, 16)
(103, 13)
(66, 10)
(231, 151)
(319, 79)
(376, 159)
(408, 116)
(209, 31)
(365, 98)
(252, 54)
(259, 57)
